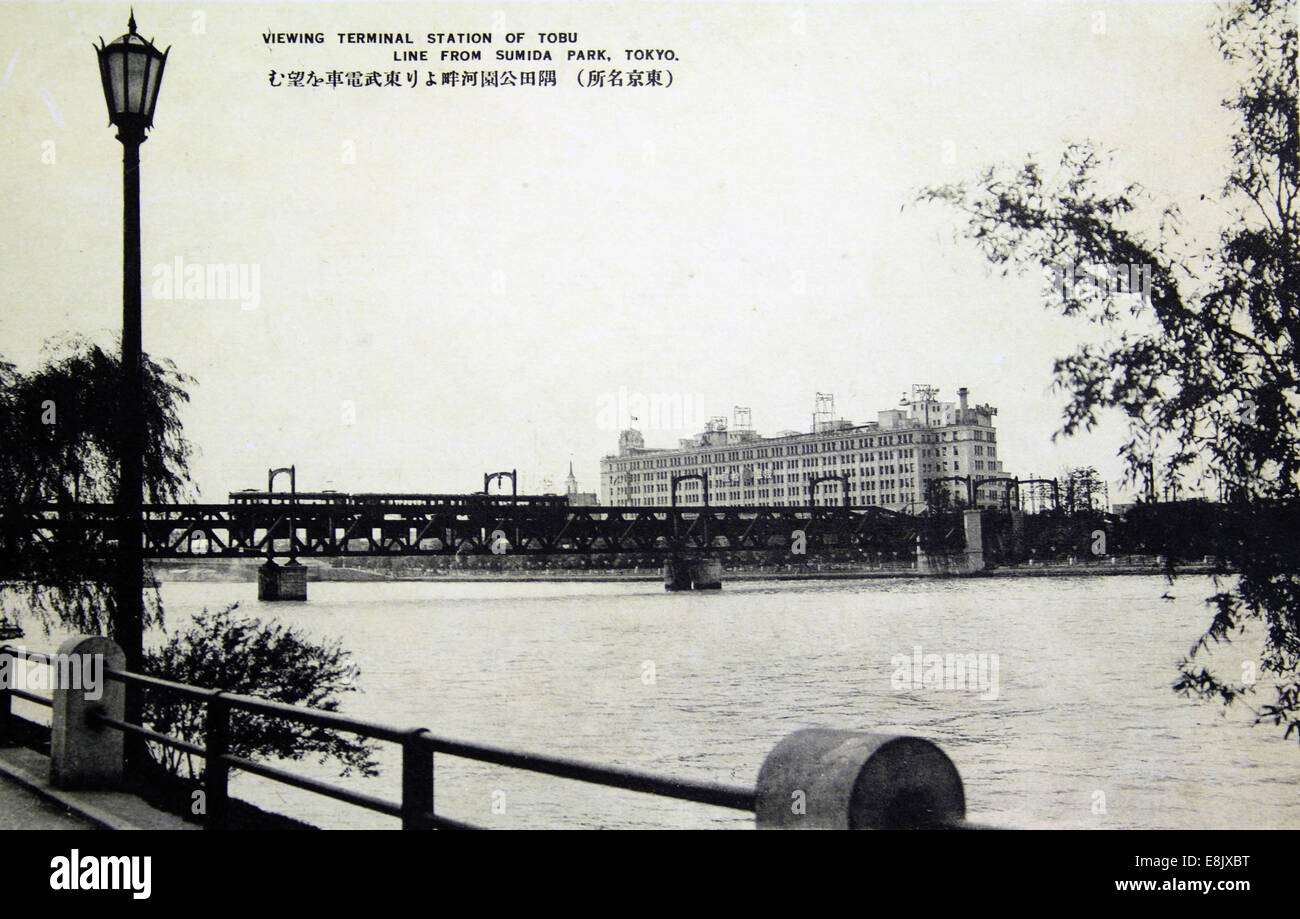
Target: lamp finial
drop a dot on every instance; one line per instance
(130, 23)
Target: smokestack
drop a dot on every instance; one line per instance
(962, 394)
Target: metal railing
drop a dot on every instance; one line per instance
(8, 691)
(418, 746)
(834, 776)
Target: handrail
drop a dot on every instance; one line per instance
(257, 706)
(716, 794)
(29, 655)
(46, 659)
(31, 697)
(912, 782)
(415, 743)
(705, 793)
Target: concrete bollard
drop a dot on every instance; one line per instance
(81, 754)
(847, 780)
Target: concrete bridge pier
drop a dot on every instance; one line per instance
(1017, 532)
(282, 582)
(683, 573)
(968, 561)
(973, 523)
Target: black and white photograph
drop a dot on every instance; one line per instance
(679, 416)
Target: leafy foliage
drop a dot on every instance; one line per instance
(1201, 357)
(1084, 489)
(60, 427)
(60, 431)
(266, 659)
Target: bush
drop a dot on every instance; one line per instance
(256, 658)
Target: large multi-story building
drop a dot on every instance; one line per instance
(924, 452)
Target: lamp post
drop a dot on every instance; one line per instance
(131, 69)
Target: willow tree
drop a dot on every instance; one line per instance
(1200, 335)
(60, 431)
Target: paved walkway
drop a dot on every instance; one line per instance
(21, 809)
(29, 802)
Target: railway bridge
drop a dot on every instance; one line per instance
(294, 525)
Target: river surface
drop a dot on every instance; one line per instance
(1079, 729)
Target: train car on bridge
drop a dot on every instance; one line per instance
(395, 499)
(252, 496)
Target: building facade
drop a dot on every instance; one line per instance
(924, 453)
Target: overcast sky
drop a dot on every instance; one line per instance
(455, 280)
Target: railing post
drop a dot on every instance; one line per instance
(84, 754)
(827, 779)
(216, 774)
(417, 781)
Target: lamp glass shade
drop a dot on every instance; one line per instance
(132, 69)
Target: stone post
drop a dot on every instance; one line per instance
(83, 755)
(845, 780)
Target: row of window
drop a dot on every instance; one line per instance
(800, 449)
(629, 466)
(774, 498)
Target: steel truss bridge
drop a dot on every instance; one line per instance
(327, 525)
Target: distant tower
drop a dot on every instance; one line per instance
(571, 483)
(824, 413)
(629, 441)
(923, 395)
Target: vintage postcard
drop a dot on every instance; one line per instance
(692, 415)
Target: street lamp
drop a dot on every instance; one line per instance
(131, 69)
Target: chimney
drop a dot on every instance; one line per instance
(962, 394)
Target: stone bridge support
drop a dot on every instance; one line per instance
(683, 572)
(968, 561)
(282, 582)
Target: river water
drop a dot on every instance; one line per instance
(1073, 725)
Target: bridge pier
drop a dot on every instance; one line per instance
(282, 582)
(973, 524)
(968, 561)
(1017, 532)
(692, 573)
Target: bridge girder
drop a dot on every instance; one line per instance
(256, 530)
